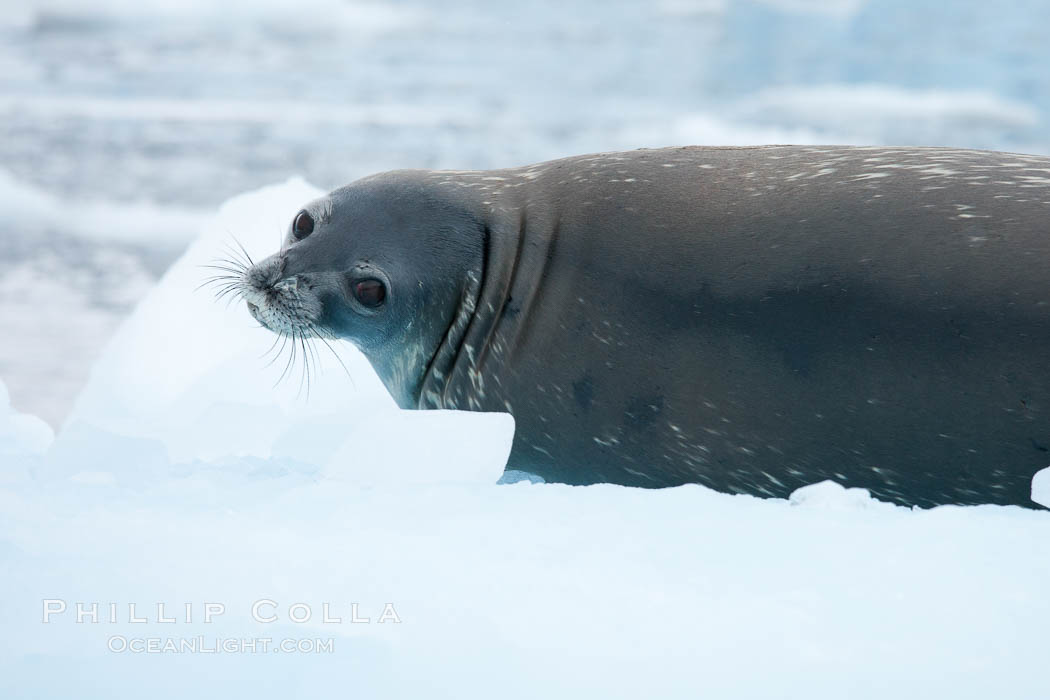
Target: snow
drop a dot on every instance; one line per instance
(21, 433)
(185, 476)
(830, 495)
(1041, 487)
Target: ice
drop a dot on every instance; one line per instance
(358, 14)
(840, 8)
(1041, 487)
(72, 269)
(28, 206)
(523, 590)
(401, 448)
(899, 115)
(20, 433)
(830, 495)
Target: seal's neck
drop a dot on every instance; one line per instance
(438, 372)
(454, 378)
(439, 366)
(413, 371)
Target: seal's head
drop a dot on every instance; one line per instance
(389, 263)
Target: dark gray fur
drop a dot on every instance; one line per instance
(751, 319)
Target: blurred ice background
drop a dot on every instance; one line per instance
(122, 122)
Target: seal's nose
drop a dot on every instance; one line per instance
(265, 273)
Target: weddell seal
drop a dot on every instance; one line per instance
(751, 319)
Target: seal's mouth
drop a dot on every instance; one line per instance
(288, 307)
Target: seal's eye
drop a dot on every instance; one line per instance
(303, 225)
(370, 293)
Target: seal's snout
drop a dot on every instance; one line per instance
(266, 273)
(286, 305)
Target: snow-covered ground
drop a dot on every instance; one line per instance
(185, 473)
(184, 476)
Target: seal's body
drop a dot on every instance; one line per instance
(751, 319)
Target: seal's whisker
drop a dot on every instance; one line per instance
(317, 333)
(229, 296)
(276, 340)
(232, 288)
(221, 283)
(231, 274)
(243, 250)
(216, 280)
(312, 355)
(222, 279)
(306, 367)
(288, 365)
(280, 351)
(229, 279)
(336, 356)
(305, 376)
(313, 352)
(228, 288)
(225, 268)
(230, 271)
(309, 327)
(232, 260)
(234, 257)
(237, 257)
(234, 296)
